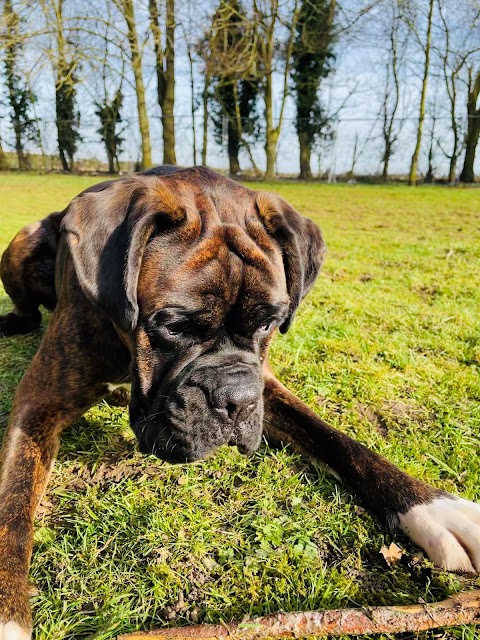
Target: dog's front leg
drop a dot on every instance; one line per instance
(29, 449)
(446, 527)
(63, 380)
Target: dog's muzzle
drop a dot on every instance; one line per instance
(210, 406)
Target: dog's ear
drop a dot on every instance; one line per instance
(107, 231)
(302, 247)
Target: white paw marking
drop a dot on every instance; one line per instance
(122, 385)
(13, 631)
(448, 529)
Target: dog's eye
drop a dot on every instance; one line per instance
(267, 327)
(176, 329)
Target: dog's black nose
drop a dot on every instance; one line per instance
(233, 390)
(237, 401)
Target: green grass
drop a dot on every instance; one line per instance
(386, 348)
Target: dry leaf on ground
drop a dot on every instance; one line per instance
(392, 554)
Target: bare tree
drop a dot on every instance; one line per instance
(191, 68)
(126, 8)
(63, 51)
(433, 139)
(397, 43)
(473, 127)
(206, 86)
(106, 80)
(455, 44)
(203, 49)
(165, 68)
(358, 149)
(451, 69)
(426, 47)
(274, 19)
(189, 27)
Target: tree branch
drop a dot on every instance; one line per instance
(463, 608)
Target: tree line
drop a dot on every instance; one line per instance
(248, 63)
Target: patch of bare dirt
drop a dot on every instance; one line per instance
(375, 418)
(391, 411)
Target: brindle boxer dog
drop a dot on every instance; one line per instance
(175, 280)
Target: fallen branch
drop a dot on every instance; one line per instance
(463, 608)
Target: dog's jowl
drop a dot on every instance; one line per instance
(174, 281)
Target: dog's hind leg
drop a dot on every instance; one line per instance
(27, 270)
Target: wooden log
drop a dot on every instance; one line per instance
(462, 608)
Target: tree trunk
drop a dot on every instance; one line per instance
(205, 119)
(192, 103)
(267, 54)
(473, 131)
(165, 67)
(3, 160)
(412, 179)
(61, 66)
(233, 148)
(452, 170)
(305, 155)
(234, 165)
(111, 163)
(22, 165)
(468, 174)
(231, 108)
(63, 160)
(168, 119)
(386, 163)
(271, 136)
(129, 15)
(429, 176)
(271, 153)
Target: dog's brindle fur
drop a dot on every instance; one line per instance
(175, 280)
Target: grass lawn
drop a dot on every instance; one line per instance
(386, 348)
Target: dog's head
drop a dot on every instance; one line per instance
(198, 272)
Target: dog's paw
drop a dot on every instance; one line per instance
(13, 631)
(448, 530)
(119, 395)
(13, 324)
